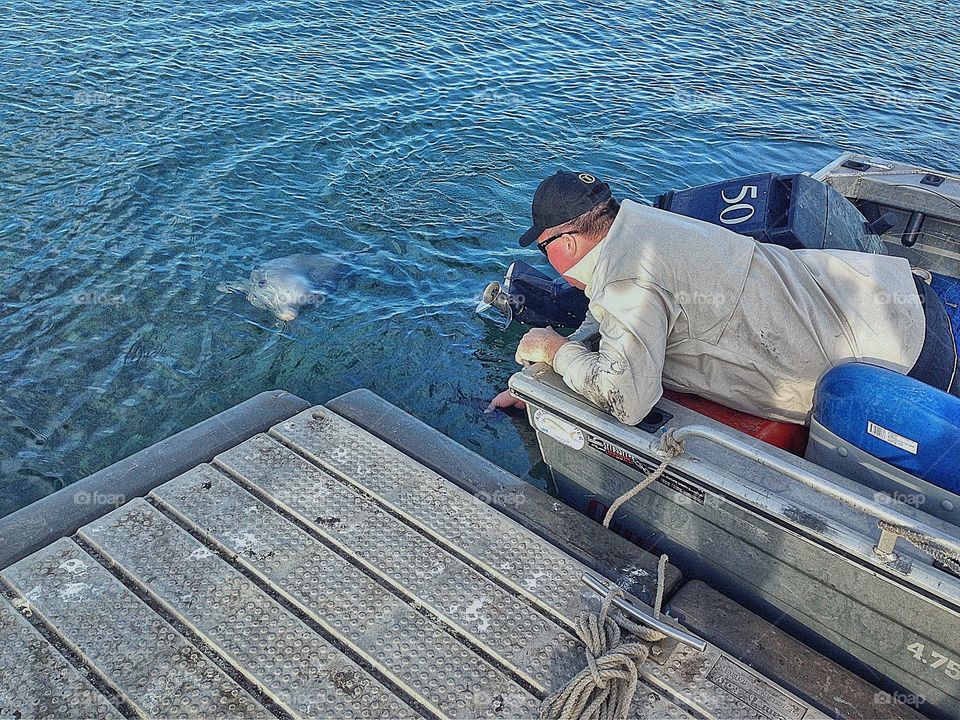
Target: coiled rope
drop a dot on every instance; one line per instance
(604, 689)
(672, 448)
(949, 560)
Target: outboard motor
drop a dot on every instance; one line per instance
(795, 211)
(532, 298)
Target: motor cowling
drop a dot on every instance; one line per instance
(795, 211)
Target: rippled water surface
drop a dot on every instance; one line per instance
(149, 152)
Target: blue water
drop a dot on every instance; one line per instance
(149, 152)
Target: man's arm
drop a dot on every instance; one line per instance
(588, 328)
(624, 377)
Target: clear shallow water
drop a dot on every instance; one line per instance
(147, 155)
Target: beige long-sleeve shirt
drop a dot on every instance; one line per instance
(694, 307)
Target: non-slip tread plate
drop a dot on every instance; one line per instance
(131, 647)
(416, 652)
(506, 626)
(36, 681)
(274, 649)
(716, 686)
(439, 508)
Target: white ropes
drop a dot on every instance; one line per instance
(949, 560)
(604, 689)
(672, 448)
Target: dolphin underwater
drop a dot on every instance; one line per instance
(287, 285)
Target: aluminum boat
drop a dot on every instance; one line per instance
(847, 538)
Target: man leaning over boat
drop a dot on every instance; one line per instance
(696, 308)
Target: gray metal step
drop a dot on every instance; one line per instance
(609, 554)
(141, 657)
(440, 510)
(456, 594)
(358, 612)
(274, 649)
(36, 681)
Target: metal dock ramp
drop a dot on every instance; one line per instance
(317, 571)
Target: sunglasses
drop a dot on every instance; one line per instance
(543, 245)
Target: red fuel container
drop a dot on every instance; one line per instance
(787, 436)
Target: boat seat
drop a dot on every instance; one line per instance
(892, 433)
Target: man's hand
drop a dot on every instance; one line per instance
(504, 401)
(539, 345)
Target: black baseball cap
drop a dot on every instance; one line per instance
(562, 197)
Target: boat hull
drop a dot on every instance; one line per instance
(801, 570)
